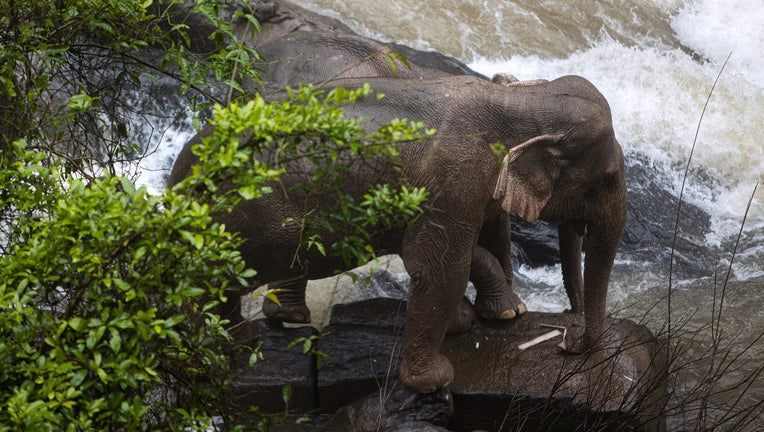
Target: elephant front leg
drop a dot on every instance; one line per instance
(291, 307)
(491, 271)
(438, 262)
(570, 258)
(495, 298)
(600, 253)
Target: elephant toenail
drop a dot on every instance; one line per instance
(508, 314)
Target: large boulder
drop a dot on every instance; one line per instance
(281, 364)
(621, 386)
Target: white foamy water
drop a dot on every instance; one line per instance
(154, 169)
(656, 63)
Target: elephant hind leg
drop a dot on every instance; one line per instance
(495, 298)
(463, 318)
(291, 305)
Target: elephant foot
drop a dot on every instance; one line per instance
(580, 343)
(463, 318)
(504, 307)
(297, 313)
(426, 374)
(578, 346)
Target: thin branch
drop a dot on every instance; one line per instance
(681, 191)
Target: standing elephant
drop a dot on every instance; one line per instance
(563, 165)
(300, 47)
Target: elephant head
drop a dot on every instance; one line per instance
(573, 178)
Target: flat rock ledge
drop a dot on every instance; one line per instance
(497, 387)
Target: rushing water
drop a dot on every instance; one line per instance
(656, 62)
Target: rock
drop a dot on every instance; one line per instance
(416, 426)
(394, 409)
(385, 313)
(497, 386)
(622, 386)
(534, 244)
(261, 384)
(363, 351)
(651, 220)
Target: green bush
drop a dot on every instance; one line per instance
(310, 125)
(107, 293)
(106, 305)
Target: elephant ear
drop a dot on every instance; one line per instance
(528, 174)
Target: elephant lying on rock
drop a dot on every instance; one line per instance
(299, 47)
(563, 165)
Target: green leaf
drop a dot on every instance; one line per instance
(80, 102)
(272, 296)
(115, 342)
(77, 323)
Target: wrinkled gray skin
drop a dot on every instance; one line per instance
(298, 47)
(564, 166)
(301, 47)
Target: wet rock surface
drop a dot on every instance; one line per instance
(651, 222)
(651, 217)
(497, 386)
(280, 365)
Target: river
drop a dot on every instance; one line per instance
(656, 62)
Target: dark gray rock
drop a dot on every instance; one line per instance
(383, 313)
(499, 387)
(416, 426)
(621, 386)
(361, 360)
(394, 409)
(261, 384)
(652, 220)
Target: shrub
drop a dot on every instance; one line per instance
(107, 303)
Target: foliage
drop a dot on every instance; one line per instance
(309, 127)
(107, 293)
(103, 303)
(310, 347)
(67, 70)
